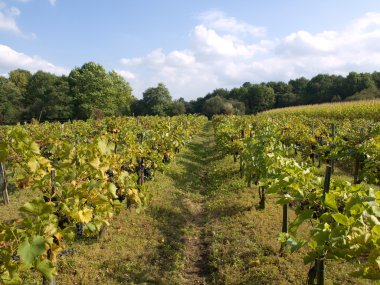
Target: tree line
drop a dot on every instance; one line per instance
(90, 91)
(253, 98)
(87, 91)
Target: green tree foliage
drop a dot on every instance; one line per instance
(366, 94)
(356, 82)
(279, 87)
(178, 107)
(298, 85)
(221, 92)
(213, 106)
(218, 105)
(121, 93)
(319, 89)
(260, 98)
(88, 91)
(10, 102)
(376, 78)
(48, 98)
(287, 99)
(157, 101)
(96, 91)
(239, 94)
(20, 78)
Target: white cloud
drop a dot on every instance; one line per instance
(8, 21)
(225, 52)
(126, 74)
(217, 20)
(52, 2)
(11, 59)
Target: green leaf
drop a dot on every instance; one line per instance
(301, 217)
(7, 280)
(91, 227)
(112, 190)
(376, 230)
(310, 257)
(69, 233)
(294, 244)
(330, 201)
(29, 252)
(340, 218)
(102, 146)
(37, 206)
(47, 268)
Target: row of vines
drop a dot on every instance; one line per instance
(84, 173)
(283, 154)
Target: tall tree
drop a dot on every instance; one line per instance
(20, 79)
(157, 100)
(121, 93)
(238, 93)
(178, 107)
(221, 92)
(279, 87)
(10, 102)
(356, 82)
(90, 86)
(260, 98)
(320, 89)
(48, 98)
(299, 85)
(214, 105)
(376, 78)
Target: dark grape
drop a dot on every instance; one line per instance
(79, 227)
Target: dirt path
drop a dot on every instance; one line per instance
(196, 249)
(195, 246)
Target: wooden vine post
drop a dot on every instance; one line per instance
(262, 197)
(284, 226)
(4, 184)
(285, 218)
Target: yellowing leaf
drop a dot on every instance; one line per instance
(34, 148)
(33, 165)
(85, 215)
(95, 163)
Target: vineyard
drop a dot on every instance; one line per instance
(283, 197)
(85, 173)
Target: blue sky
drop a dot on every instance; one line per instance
(192, 46)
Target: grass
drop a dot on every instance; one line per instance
(200, 207)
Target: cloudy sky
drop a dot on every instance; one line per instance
(194, 46)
